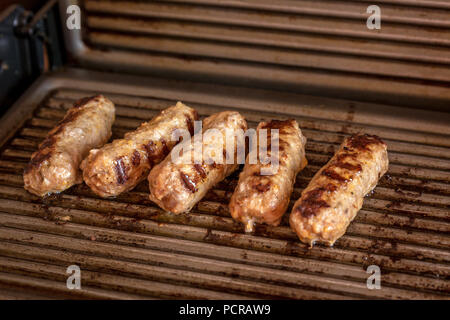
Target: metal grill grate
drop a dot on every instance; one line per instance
(315, 47)
(127, 247)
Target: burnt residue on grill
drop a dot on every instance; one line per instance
(214, 226)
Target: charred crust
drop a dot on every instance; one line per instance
(154, 153)
(136, 158)
(313, 202)
(279, 124)
(150, 150)
(48, 142)
(164, 148)
(81, 102)
(121, 171)
(363, 141)
(71, 116)
(262, 187)
(348, 166)
(187, 182)
(333, 175)
(213, 165)
(200, 170)
(37, 159)
(345, 155)
(190, 122)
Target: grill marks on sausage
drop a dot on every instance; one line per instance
(121, 171)
(136, 158)
(188, 183)
(313, 201)
(362, 142)
(201, 171)
(154, 153)
(281, 125)
(348, 166)
(150, 150)
(164, 148)
(81, 102)
(330, 173)
(190, 122)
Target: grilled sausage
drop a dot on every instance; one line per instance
(335, 194)
(55, 166)
(119, 166)
(178, 186)
(265, 198)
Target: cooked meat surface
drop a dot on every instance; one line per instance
(176, 186)
(119, 166)
(263, 198)
(335, 194)
(55, 166)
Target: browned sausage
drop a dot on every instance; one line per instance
(55, 166)
(335, 194)
(119, 166)
(177, 187)
(265, 198)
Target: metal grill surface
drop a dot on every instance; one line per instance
(128, 248)
(320, 47)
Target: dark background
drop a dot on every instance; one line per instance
(28, 4)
